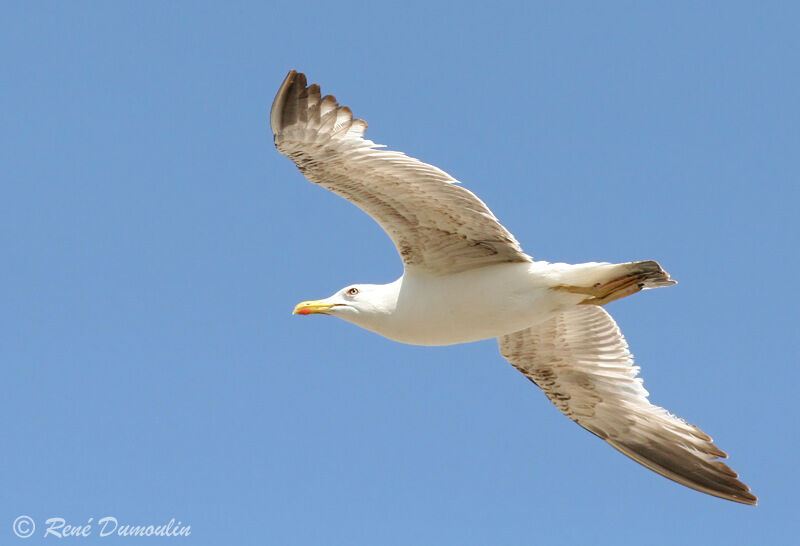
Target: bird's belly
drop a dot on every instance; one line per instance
(455, 313)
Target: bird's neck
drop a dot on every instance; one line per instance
(376, 315)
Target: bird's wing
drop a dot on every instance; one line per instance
(436, 225)
(581, 361)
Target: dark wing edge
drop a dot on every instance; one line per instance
(581, 361)
(435, 224)
(291, 108)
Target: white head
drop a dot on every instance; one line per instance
(365, 305)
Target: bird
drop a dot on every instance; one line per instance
(466, 278)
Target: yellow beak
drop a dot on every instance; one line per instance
(311, 307)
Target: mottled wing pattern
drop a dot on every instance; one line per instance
(581, 361)
(436, 225)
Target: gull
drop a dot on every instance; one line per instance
(465, 278)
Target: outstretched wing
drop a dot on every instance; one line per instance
(582, 363)
(436, 225)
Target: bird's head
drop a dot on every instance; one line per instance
(362, 304)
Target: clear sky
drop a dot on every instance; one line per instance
(154, 243)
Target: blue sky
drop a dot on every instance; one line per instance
(155, 242)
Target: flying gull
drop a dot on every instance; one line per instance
(466, 278)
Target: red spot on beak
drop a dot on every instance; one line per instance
(304, 311)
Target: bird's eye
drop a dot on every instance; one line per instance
(352, 292)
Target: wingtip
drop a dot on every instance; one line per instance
(744, 497)
(280, 97)
(752, 500)
(295, 101)
(718, 483)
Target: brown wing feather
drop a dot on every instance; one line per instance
(582, 363)
(436, 225)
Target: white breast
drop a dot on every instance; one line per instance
(478, 304)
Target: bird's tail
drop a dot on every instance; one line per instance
(604, 283)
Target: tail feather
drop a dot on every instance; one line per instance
(604, 283)
(591, 275)
(653, 276)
